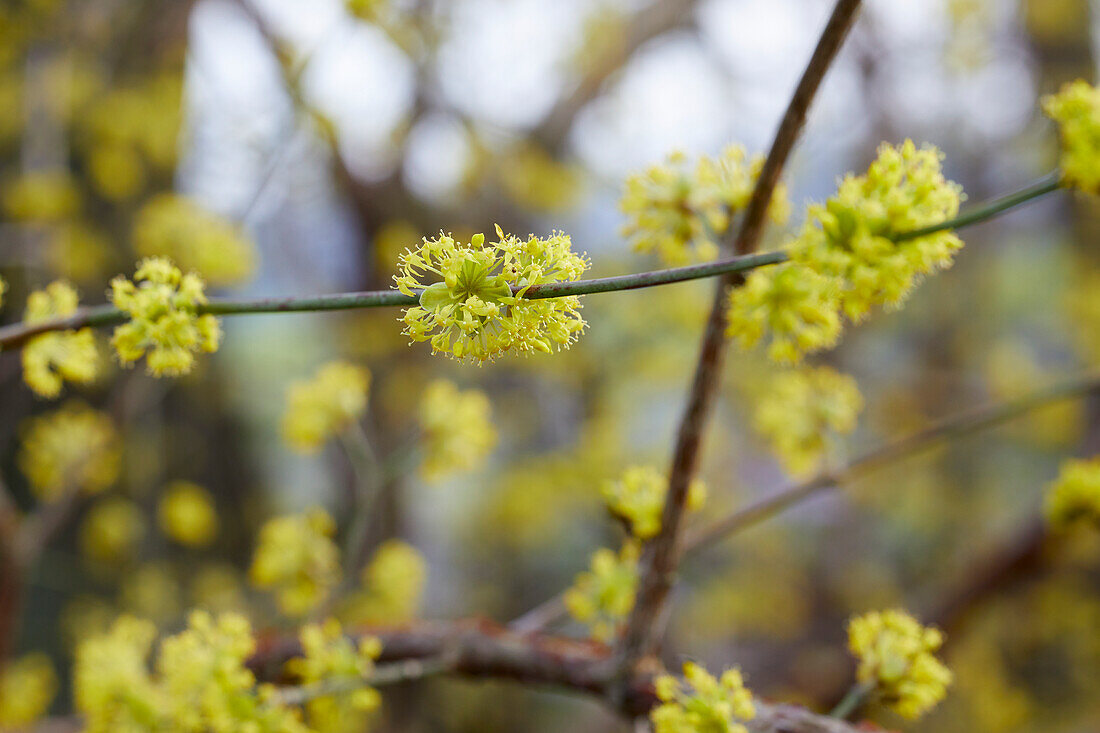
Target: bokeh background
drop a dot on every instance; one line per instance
(334, 141)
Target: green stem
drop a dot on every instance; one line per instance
(852, 701)
(16, 334)
(1045, 185)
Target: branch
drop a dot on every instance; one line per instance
(16, 335)
(661, 557)
(477, 648)
(954, 426)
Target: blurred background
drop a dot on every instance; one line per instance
(331, 137)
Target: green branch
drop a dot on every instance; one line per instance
(16, 334)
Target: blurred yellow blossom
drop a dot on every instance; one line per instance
(186, 513)
(162, 304)
(296, 559)
(680, 213)
(853, 236)
(792, 307)
(78, 251)
(1076, 109)
(53, 357)
(896, 654)
(535, 180)
(329, 655)
(217, 587)
(392, 586)
(472, 312)
(320, 408)
(112, 688)
(144, 118)
(74, 448)
(458, 431)
(603, 597)
(800, 412)
(116, 171)
(83, 617)
(1074, 497)
(638, 497)
(177, 228)
(27, 687)
(41, 197)
(111, 530)
(703, 703)
(3, 289)
(152, 591)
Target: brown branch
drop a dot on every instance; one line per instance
(478, 648)
(661, 556)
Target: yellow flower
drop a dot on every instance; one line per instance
(603, 597)
(116, 171)
(78, 251)
(111, 530)
(177, 228)
(392, 586)
(1074, 497)
(53, 357)
(3, 289)
(471, 311)
(41, 197)
(639, 498)
(27, 687)
(703, 703)
(852, 236)
(896, 654)
(74, 448)
(163, 305)
(1076, 109)
(186, 514)
(296, 558)
(801, 411)
(324, 406)
(330, 656)
(790, 305)
(112, 688)
(680, 213)
(458, 432)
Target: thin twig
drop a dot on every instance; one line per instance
(16, 335)
(659, 562)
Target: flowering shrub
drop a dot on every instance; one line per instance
(701, 702)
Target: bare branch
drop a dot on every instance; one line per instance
(658, 564)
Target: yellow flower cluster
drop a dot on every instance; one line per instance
(27, 687)
(791, 306)
(638, 497)
(44, 197)
(1076, 109)
(603, 596)
(320, 408)
(74, 448)
(392, 586)
(296, 558)
(111, 530)
(679, 212)
(1074, 497)
(896, 654)
(56, 356)
(471, 312)
(457, 429)
(186, 513)
(163, 305)
(849, 258)
(176, 227)
(802, 411)
(201, 683)
(852, 236)
(703, 704)
(329, 656)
